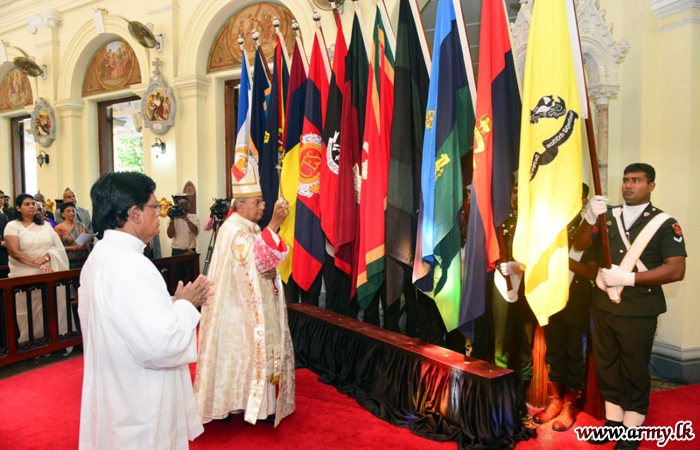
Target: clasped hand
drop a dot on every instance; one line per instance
(40, 263)
(196, 293)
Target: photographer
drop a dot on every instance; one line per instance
(183, 226)
(219, 210)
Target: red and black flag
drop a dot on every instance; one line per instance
(331, 138)
(411, 83)
(289, 178)
(496, 151)
(350, 161)
(309, 240)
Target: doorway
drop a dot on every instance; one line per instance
(119, 129)
(24, 152)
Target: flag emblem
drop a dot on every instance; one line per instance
(240, 163)
(333, 152)
(483, 128)
(548, 108)
(440, 164)
(309, 174)
(429, 117)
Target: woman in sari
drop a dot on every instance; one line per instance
(68, 231)
(33, 249)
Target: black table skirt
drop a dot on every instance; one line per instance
(436, 393)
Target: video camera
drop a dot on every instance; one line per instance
(219, 210)
(176, 211)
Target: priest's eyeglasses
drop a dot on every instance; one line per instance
(157, 207)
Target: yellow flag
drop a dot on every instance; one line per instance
(549, 176)
(289, 183)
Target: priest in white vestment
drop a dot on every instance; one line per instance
(138, 340)
(246, 357)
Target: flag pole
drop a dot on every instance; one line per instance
(336, 11)
(324, 49)
(256, 37)
(590, 134)
(276, 24)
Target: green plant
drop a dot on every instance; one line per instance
(129, 155)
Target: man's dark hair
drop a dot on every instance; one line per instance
(64, 206)
(114, 194)
(649, 171)
(586, 190)
(18, 204)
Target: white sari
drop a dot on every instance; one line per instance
(35, 241)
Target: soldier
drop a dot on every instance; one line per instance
(565, 336)
(513, 321)
(648, 250)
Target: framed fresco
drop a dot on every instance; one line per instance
(225, 53)
(43, 123)
(158, 106)
(15, 91)
(113, 66)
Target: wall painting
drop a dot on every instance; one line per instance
(226, 53)
(15, 91)
(114, 66)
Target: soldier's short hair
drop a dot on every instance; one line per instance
(649, 171)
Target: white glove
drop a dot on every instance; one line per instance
(511, 268)
(614, 276)
(597, 206)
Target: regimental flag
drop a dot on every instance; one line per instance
(353, 126)
(309, 240)
(496, 147)
(261, 89)
(449, 127)
(241, 153)
(274, 129)
(376, 150)
(330, 156)
(411, 83)
(549, 178)
(289, 178)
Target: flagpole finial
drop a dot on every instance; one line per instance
(356, 3)
(255, 35)
(317, 19)
(241, 41)
(333, 4)
(276, 24)
(295, 27)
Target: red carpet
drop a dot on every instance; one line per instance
(41, 410)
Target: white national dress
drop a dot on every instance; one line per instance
(137, 387)
(246, 357)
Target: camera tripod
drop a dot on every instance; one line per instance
(207, 259)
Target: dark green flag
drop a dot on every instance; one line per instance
(411, 82)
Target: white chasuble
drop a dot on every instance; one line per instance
(246, 357)
(137, 388)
